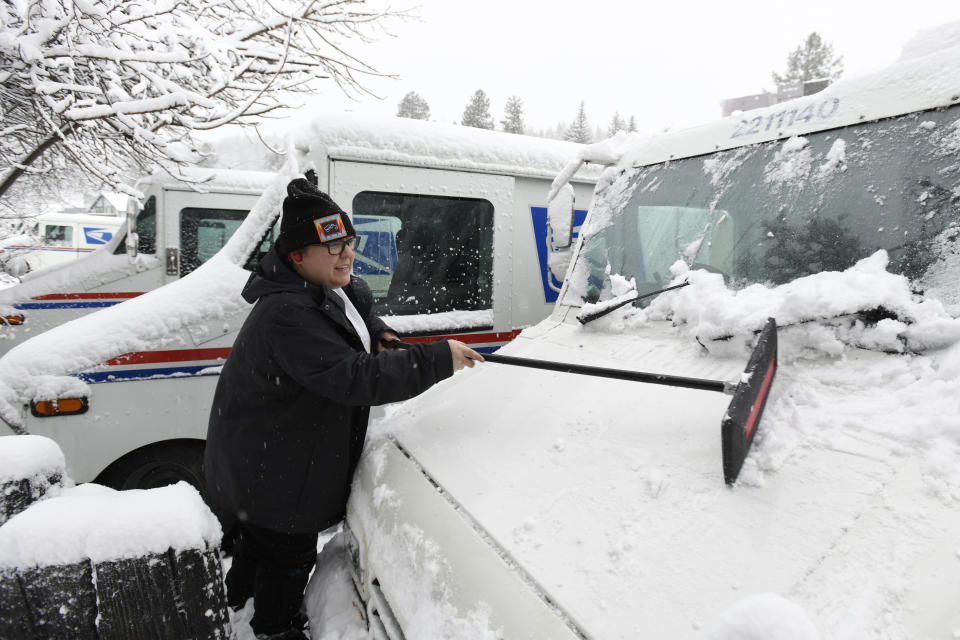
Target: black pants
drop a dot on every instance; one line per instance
(272, 568)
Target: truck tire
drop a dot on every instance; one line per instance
(158, 465)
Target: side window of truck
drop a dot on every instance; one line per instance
(424, 254)
(58, 235)
(146, 229)
(203, 232)
(266, 244)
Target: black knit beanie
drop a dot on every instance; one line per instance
(310, 217)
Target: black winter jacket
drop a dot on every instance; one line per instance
(289, 415)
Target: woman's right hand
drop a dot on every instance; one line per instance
(463, 356)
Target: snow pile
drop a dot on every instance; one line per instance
(92, 521)
(764, 616)
(331, 600)
(30, 457)
(711, 311)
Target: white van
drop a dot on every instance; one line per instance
(453, 243)
(511, 502)
(62, 237)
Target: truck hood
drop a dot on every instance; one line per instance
(608, 496)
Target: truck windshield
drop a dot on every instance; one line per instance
(775, 211)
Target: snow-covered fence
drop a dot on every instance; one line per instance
(88, 562)
(29, 467)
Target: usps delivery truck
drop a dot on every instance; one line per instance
(453, 228)
(803, 257)
(62, 237)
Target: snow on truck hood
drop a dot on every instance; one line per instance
(609, 495)
(105, 265)
(208, 300)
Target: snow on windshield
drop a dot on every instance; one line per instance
(824, 321)
(711, 311)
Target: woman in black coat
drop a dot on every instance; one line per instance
(290, 412)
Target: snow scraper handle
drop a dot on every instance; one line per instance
(740, 421)
(602, 372)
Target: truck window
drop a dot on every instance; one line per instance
(266, 244)
(147, 227)
(776, 211)
(203, 232)
(424, 254)
(58, 235)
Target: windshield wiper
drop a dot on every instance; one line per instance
(584, 318)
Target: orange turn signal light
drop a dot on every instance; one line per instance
(15, 320)
(59, 407)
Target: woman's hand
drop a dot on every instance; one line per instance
(463, 356)
(386, 335)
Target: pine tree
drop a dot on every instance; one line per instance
(813, 60)
(632, 125)
(413, 106)
(616, 124)
(579, 131)
(513, 115)
(477, 113)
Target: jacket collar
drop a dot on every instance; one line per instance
(275, 275)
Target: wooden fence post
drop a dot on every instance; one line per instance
(49, 603)
(167, 596)
(39, 466)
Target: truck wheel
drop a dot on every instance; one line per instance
(158, 465)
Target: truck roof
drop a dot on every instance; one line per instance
(926, 76)
(80, 218)
(208, 179)
(348, 136)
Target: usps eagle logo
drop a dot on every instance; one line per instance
(330, 227)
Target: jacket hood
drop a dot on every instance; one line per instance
(275, 275)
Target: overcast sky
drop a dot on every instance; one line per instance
(668, 63)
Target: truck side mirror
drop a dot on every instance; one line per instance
(132, 241)
(559, 234)
(560, 218)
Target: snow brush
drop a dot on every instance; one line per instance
(739, 424)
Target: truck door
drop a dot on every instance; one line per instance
(197, 225)
(431, 243)
(59, 243)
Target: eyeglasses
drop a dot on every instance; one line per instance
(336, 247)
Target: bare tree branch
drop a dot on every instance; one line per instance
(115, 86)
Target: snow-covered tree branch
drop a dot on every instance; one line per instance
(114, 85)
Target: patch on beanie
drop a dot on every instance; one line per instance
(330, 227)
